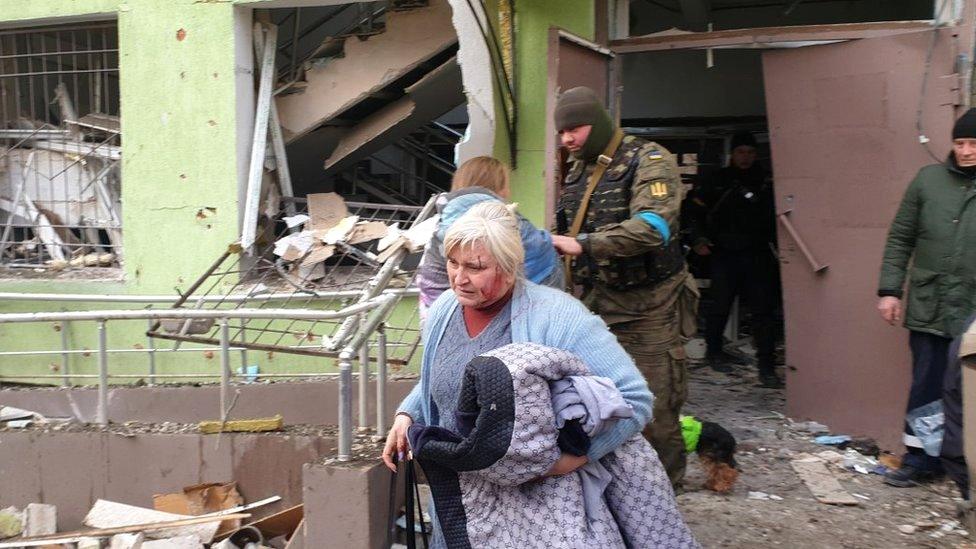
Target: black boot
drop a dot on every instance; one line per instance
(907, 476)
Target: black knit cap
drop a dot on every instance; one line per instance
(965, 126)
(743, 139)
(581, 107)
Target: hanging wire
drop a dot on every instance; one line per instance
(922, 138)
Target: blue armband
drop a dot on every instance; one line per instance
(658, 223)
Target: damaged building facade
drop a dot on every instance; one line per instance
(130, 166)
(134, 159)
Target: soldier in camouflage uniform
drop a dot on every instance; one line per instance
(627, 257)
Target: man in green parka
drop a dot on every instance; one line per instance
(932, 243)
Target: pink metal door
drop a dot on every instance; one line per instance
(845, 144)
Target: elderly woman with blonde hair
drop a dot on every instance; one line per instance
(490, 305)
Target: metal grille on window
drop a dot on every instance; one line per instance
(60, 148)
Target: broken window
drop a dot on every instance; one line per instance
(60, 147)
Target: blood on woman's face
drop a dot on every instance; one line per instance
(475, 276)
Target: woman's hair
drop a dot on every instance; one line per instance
(494, 225)
(481, 171)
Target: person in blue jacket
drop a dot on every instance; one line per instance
(482, 179)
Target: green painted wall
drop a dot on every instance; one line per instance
(532, 22)
(179, 137)
(178, 102)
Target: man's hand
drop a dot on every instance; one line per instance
(890, 309)
(567, 463)
(566, 245)
(396, 440)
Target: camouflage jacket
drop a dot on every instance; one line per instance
(632, 262)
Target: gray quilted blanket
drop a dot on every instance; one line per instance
(487, 481)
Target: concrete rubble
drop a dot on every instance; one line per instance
(215, 521)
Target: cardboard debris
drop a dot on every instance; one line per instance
(393, 234)
(366, 231)
(302, 273)
(294, 246)
(201, 499)
(821, 482)
(297, 540)
(400, 242)
(284, 523)
(318, 255)
(419, 235)
(326, 210)
(338, 232)
(243, 425)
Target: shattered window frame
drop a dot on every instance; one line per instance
(60, 148)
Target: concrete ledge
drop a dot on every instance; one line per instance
(71, 470)
(306, 402)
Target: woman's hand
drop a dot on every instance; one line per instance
(567, 463)
(396, 440)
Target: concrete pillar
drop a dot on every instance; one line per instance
(347, 505)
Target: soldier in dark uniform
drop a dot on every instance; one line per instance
(627, 257)
(734, 224)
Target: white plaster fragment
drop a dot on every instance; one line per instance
(475, 63)
(295, 220)
(40, 519)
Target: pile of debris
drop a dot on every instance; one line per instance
(60, 203)
(329, 229)
(204, 515)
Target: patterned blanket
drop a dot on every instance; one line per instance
(487, 482)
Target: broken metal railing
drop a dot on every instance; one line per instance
(353, 273)
(371, 314)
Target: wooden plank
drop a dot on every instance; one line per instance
(73, 537)
(284, 523)
(277, 141)
(243, 425)
(766, 35)
(297, 540)
(260, 142)
(821, 482)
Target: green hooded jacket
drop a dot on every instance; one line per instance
(935, 231)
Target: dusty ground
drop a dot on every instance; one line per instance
(798, 520)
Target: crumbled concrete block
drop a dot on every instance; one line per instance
(40, 519)
(127, 541)
(11, 522)
(181, 542)
(89, 543)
